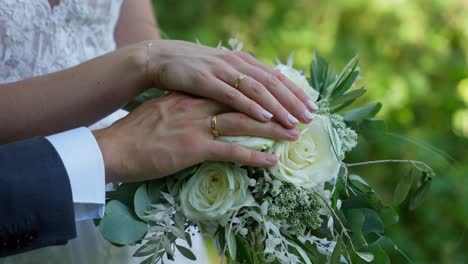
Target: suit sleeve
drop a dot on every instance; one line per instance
(36, 205)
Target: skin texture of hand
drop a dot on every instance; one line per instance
(173, 132)
(264, 94)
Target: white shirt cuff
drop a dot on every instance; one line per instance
(83, 161)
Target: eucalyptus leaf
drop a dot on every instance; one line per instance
(186, 252)
(141, 201)
(120, 226)
(367, 256)
(389, 216)
(403, 188)
(124, 193)
(154, 191)
(420, 194)
(372, 128)
(362, 112)
(356, 220)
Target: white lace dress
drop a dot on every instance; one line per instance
(37, 39)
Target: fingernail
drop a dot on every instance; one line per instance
(266, 114)
(272, 159)
(292, 119)
(308, 115)
(312, 105)
(293, 133)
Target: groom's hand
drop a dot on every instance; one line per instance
(173, 132)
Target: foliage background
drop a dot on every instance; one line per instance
(413, 56)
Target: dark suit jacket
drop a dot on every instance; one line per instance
(36, 206)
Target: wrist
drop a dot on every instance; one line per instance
(108, 150)
(146, 58)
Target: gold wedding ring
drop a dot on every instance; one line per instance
(214, 131)
(239, 79)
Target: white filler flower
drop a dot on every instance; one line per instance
(311, 160)
(215, 191)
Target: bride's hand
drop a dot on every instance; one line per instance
(173, 132)
(212, 73)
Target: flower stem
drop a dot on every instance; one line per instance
(415, 163)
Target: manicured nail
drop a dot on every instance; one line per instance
(308, 115)
(292, 119)
(266, 114)
(271, 159)
(312, 105)
(293, 133)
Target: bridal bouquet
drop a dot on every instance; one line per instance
(307, 209)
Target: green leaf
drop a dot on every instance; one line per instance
(120, 226)
(154, 191)
(372, 222)
(177, 232)
(344, 84)
(166, 243)
(141, 201)
(420, 194)
(232, 245)
(186, 252)
(148, 260)
(389, 216)
(321, 74)
(356, 221)
(124, 193)
(336, 255)
(362, 112)
(346, 99)
(380, 256)
(180, 219)
(145, 250)
(367, 256)
(245, 250)
(372, 128)
(403, 188)
(188, 238)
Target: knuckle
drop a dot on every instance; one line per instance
(202, 77)
(279, 76)
(231, 96)
(230, 57)
(257, 89)
(272, 81)
(215, 63)
(243, 55)
(231, 151)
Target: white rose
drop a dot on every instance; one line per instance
(311, 160)
(298, 79)
(255, 143)
(215, 191)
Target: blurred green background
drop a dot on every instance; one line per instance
(413, 56)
